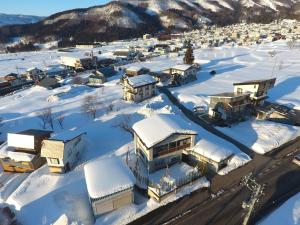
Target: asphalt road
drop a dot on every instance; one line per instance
(276, 170)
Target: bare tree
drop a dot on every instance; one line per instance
(90, 105)
(46, 117)
(60, 119)
(125, 124)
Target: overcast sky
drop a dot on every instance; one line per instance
(44, 7)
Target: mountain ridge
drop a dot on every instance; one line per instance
(124, 19)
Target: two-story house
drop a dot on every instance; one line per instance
(258, 89)
(139, 88)
(182, 73)
(62, 151)
(161, 139)
(229, 107)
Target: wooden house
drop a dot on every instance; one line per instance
(21, 153)
(78, 63)
(135, 71)
(110, 184)
(161, 139)
(96, 78)
(183, 73)
(230, 107)
(139, 88)
(62, 151)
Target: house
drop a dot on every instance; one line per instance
(110, 184)
(161, 139)
(139, 88)
(78, 63)
(230, 107)
(183, 73)
(34, 74)
(210, 156)
(22, 151)
(258, 89)
(56, 70)
(62, 151)
(135, 71)
(83, 46)
(96, 78)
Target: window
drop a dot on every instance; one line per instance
(54, 160)
(172, 145)
(240, 90)
(147, 87)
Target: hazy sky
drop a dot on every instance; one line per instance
(44, 7)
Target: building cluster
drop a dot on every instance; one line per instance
(245, 34)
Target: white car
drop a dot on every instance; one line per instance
(296, 159)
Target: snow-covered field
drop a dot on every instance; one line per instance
(260, 135)
(47, 196)
(288, 213)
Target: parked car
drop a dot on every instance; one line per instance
(296, 159)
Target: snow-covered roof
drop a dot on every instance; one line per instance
(141, 80)
(66, 136)
(6, 151)
(106, 176)
(182, 67)
(155, 129)
(211, 150)
(135, 68)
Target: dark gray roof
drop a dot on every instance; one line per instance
(36, 133)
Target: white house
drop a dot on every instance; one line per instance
(258, 89)
(62, 151)
(110, 184)
(139, 88)
(161, 139)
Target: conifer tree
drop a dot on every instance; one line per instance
(189, 55)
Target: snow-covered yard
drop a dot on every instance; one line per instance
(262, 136)
(288, 213)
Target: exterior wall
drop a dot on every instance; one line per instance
(112, 202)
(138, 94)
(68, 158)
(155, 160)
(9, 165)
(211, 165)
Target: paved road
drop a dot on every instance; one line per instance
(276, 170)
(189, 114)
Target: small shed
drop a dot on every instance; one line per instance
(110, 184)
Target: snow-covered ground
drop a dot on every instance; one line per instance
(67, 194)
(260, 135)
(288, 213)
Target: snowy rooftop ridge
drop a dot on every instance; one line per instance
(182, 67)
(141, 80)
(211, 150)
(66, 136)
(101, 183)
(166, 124)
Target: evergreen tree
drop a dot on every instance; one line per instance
(189, 55)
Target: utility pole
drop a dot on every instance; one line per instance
(256, 193)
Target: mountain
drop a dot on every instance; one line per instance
(131, 18)
(7, 19)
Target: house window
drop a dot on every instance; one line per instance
(172, 145)
(147, 87)
(240, 90)
(54, 160)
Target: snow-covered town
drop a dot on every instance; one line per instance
(126, 132)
